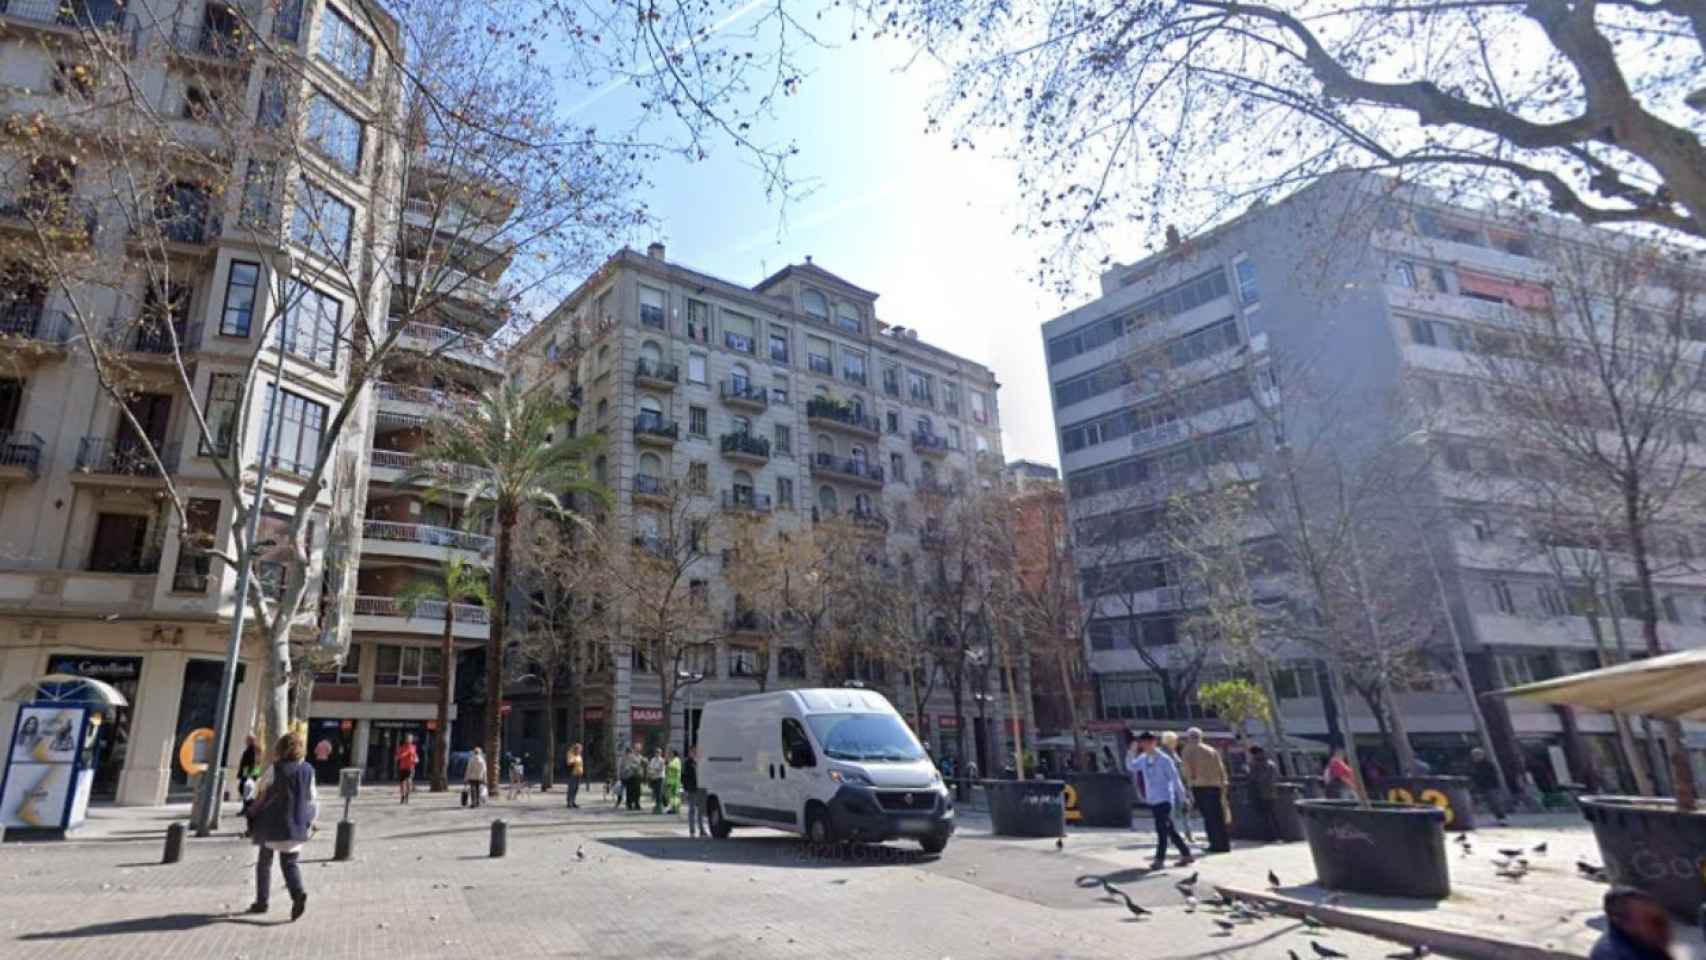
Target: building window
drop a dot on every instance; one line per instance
(779, 344)
(953, 437)
(791, 663)
(287, 21)
(344, 673)
(1295, 682)
(201, 522)
(695, 368)
(1245, 272)
(1552, 601)
(893, 420)
(407, 666)
(300, 429)
(815, 304)
(698, 422)
(784, 438)
(240, 284)
(652, 308)
(345, 48)
(221, 412)
(897, 468)
(738, 333)
(698, 478)
(1457, 458)
(323, 224)
(891, 379)
(919, 388)
(817, 356)
(853, 366)
(1502, 598)
(260, 188)
(313, 320)
(785, 492)
(779, 390)
(699, 321)
(847, 318)
(1668, 605)
(335, 132)
(951, 398)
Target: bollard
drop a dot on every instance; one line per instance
(500, 838)
(174, 843)
(344, 846)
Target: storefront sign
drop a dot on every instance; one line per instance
(645, 714)
(947, 721)
(590, 714)
(110, 669)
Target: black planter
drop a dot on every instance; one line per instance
(1648, 843)
(1451, 794)
(1285, 811)
(1027, 808)
(1249, 822)
(1099, 799)
(1395, 850)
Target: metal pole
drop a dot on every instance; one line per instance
(233, 648)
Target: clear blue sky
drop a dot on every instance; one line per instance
(892, 209)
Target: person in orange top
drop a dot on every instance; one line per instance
(406, 760)
(1338, 777)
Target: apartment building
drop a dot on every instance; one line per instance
(93, 579)
(786, 401)
(1369, 283)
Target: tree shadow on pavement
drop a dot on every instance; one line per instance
(770, 852)
(166, 923)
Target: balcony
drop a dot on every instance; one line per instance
(658, 376)
(153, 341)
(744, 446)
(449, 343)
(394, 465)
(106, 457)
(824, 412)
(420, 541)
(468, 621)
(847, 468)
(932, 487)
(60, 216)
(652, 428)
(739, 392)
(20, 456)
(402, 404)
(94, 14)
(437, 279)
(932, 538)
(868, 517)
(742, 500)
(30, 334)
(654, 490)
(929, 444)
(651, 543)
(224, 45)
(745, 621)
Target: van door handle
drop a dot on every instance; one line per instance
(772, 771)
(784, 770)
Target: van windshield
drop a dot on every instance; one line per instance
(865, 736)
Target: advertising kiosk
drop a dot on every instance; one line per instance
(50, 763)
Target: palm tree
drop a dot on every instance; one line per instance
(456, 581)
(509, 451)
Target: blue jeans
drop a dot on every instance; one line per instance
(286, 865)
(1164, 829)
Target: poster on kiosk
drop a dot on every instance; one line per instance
(50, 763)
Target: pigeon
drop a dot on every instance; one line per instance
(1540, 848)
(1273, 879)
(1059, 843)
(1112, 890)
(1582, 866)
(1513, 875)
(1190, 904)
(580, 851)
(1324, 951)
(1136, 910)
(1417, 952)
(1189, 881)
(1292, 955)
(1511, 853)
(1226, 926)
(1313, 922)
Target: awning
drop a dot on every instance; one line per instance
(1672, 685)
(66, 688)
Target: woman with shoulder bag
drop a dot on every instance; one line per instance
(282, 819)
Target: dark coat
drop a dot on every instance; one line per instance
(1264, 778)
(286, 811)
(1613, 945)
(689, 774)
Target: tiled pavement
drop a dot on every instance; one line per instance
(421, 885)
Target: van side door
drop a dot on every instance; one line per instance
(797, 774)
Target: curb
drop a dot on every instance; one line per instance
(1451, 943)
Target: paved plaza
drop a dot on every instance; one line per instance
(422, 885)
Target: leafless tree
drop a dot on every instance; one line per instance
(561, 573)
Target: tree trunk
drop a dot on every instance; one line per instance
(1078, 757)
(1641, 766)
(549, 767)
(1336, 685)
(1277, 740)
(1398, 733)
(1682, 775)
(441, 749)
(277, 694)
(495, 642)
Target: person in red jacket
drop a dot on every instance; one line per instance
(407, 758)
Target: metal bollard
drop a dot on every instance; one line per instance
(344, 846)
(500, 838)
(174, 843)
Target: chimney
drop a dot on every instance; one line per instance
(654, 250)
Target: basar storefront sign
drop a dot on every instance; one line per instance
(645, 714)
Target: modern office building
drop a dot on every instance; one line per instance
(784, 401)
(1377, 288)
(93, 577)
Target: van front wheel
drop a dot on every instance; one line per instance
(720, 827)
(933, 844)
(820, 830)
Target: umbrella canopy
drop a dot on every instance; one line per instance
(1673, 685)
(66, 688)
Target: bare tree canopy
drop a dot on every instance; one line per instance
(1115, 112)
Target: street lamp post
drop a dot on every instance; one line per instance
(687, 678)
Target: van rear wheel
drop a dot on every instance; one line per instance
(720, 827)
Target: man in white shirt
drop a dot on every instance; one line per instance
(1162, 789)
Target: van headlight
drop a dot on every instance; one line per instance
(935, 777)
(852, 777)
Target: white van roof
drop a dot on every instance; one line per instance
(821, 700)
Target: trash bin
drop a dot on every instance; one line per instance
(1286, 815)
(1389, 849)
(1099, 799)
(1026, 808)
(1451, 794)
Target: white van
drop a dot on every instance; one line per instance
(831, 764)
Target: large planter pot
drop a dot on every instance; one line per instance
(1451, 794)
(1285, 813)
(1249, 821)
(1027, 808)
(1395, 850)
(1648, 843)
(1099, 799)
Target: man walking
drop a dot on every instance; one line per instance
(654, 774)
(406, 759)
(1206, 775)
(633, 771)
(695, 799)
(1162, 789)
(1264, 785)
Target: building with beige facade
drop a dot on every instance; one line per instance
(94, 576)
(786, 401)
